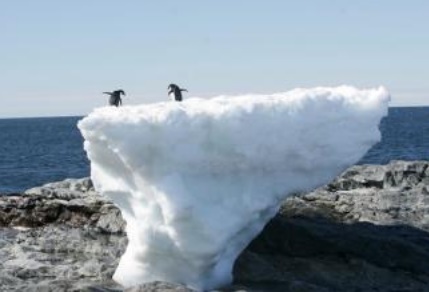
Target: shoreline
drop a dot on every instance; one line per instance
(19, 192)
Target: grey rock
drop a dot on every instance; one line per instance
(110, 219)
(70, 202)
(367, 230)
(62, 236)
(337, 256)
(397, 193)
(60, 258)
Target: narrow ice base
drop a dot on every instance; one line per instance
(196, 181)
(192, 243)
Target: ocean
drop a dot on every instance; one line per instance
(35, 151)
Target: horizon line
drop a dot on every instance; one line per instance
(83, 115)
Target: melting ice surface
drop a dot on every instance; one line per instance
(196, 181)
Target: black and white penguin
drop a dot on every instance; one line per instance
(115, 97)
(175, 92)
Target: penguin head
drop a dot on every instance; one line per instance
(120, 91)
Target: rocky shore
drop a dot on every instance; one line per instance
(368, 230)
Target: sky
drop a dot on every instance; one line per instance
(57, 57)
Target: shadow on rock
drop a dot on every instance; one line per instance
(316, 254)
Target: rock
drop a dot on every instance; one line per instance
(397, 193)
(365, 231)
(58, 258)
(70, 202)
(67, 187)
(336, 256)
(61, 236)
(110, 219)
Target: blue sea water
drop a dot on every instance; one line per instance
(35, 151)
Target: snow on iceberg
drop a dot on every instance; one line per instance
(196, 181)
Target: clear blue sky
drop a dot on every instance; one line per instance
(58, 56)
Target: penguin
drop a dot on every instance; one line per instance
(175, 92)
(115, 97)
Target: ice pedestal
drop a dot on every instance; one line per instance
(196, 181)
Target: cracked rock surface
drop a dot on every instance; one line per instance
(393, 194)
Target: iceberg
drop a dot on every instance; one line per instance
(196, 181)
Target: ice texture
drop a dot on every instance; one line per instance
(196, 181)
